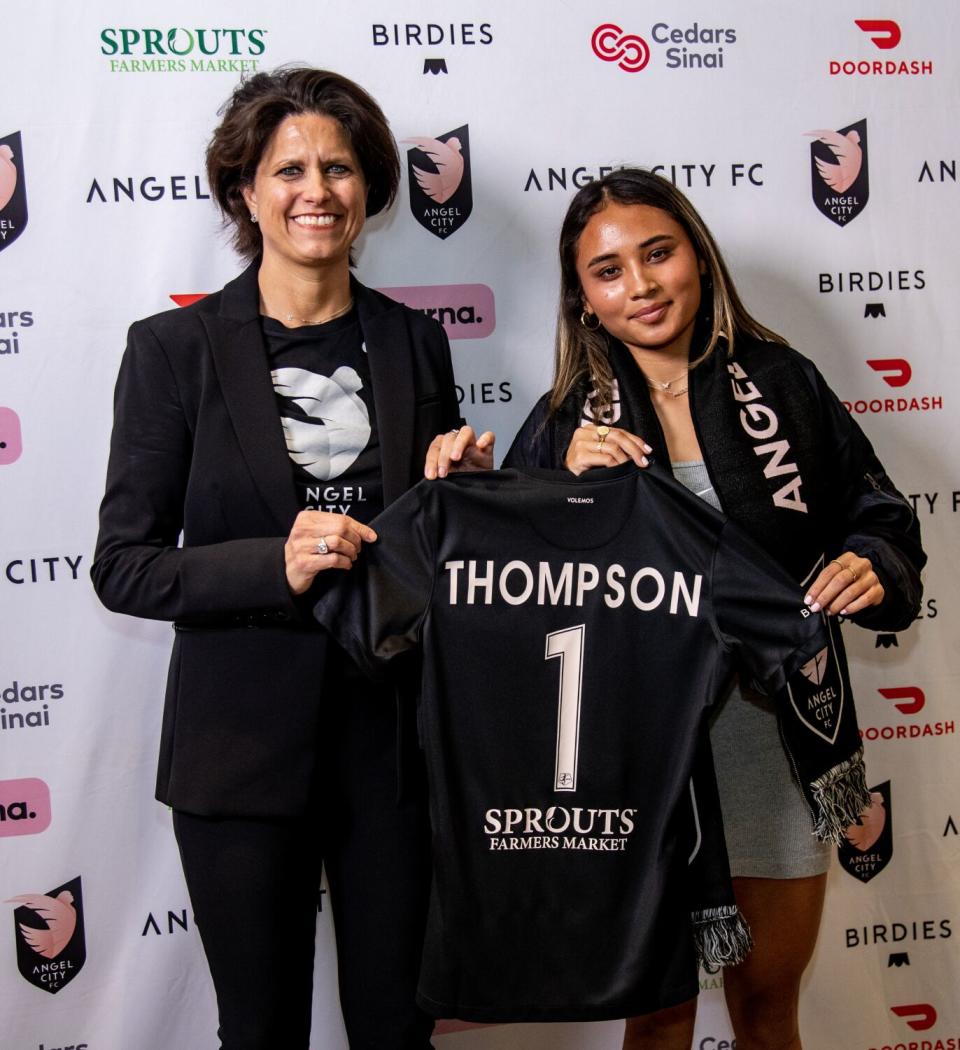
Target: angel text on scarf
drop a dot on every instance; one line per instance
(760, 424)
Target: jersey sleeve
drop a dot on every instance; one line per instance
(376, 609)
(760, 613)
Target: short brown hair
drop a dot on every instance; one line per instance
(256, 109)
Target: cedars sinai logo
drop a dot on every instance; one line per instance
(182, 49)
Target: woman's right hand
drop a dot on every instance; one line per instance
(312, 531)
(600, 446)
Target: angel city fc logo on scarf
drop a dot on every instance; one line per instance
(441, 196)
(13, 190)
(838, 170)
(817, 696)
(868, 845)
(48, 928)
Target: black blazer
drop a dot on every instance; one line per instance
(197, 448)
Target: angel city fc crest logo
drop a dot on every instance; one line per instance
(838, 170)
(441, 195)
(868, 845)
(48, 927)
(13, 191)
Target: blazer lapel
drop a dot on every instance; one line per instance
(390, 356)
(240, 359)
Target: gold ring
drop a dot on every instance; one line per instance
(853, 573)
(602, 433)
(836, 561)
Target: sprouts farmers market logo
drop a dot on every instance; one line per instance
(182, 49)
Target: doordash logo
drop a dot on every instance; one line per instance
(885, 34)
(909, 700)
(919, 1016)
(895, 371)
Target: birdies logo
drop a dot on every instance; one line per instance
(838, 170)
(48, 928)
(441, 194)
(868, 845)
(13, 190)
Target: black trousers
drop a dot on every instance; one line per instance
(254, 886)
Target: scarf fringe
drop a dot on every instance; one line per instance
(722, 937)
(840, 796)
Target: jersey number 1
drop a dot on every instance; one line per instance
(567, 645)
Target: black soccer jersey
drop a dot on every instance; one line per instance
(574, 633)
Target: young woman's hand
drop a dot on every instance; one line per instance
(846, 585)
(601, 446)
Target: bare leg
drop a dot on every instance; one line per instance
(763, 992)
(670, 1029)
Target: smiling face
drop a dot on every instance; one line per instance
(640, 277)
(309, 193)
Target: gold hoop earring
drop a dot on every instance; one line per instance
(583, 321)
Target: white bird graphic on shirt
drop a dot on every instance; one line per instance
(340, 423)
(846, 148)
(442, 184)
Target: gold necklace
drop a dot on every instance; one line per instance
(656, 384)
(671, 393)
(323, 320)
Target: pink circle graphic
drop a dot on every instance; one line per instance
(611, 44)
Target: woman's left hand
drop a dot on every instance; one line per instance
(846, 585)
(459, 450)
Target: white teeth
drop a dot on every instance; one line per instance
(315, 220)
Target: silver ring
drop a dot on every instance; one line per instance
(455, 430)
(322, 547)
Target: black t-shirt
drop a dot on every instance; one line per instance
(322, 383)
(574, 633)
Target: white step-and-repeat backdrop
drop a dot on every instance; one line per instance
(105, 217)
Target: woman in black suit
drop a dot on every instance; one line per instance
(269, 423)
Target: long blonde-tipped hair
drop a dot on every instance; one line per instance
(582, 353)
